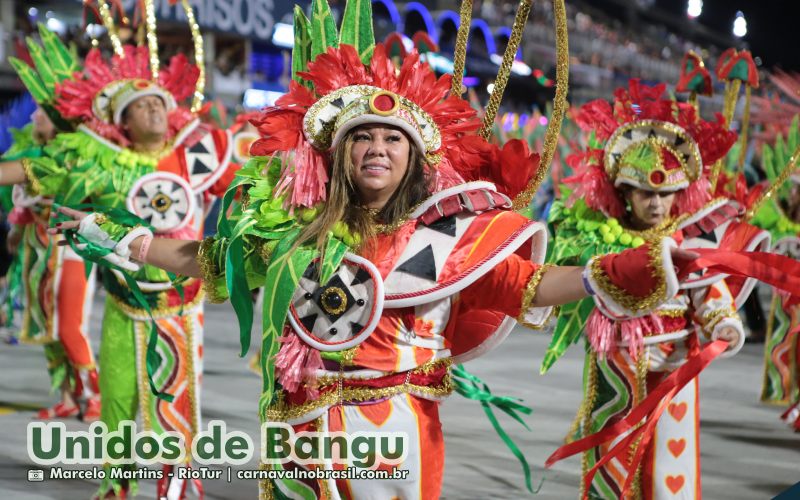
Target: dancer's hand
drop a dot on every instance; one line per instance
(680, 259)
(76, 215)
(730, 335)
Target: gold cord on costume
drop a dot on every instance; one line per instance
(199, 57)
(559, 107)
(586, 414)
(152, 41)
(108, 22)
(460, 54)
(732, 88)
(788, 170)
(744, 128)
(504, 72)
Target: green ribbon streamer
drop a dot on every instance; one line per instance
(238, 291)
(472, 387)
(96, 254)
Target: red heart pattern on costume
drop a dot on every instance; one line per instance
(678, 411)
(676, 446)
(675, 483)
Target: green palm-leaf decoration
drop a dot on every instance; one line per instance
(356, 29)
(323, 28)
(63, 62)
(42, 65)
(332, 259)
(569, 328)
(31, 80)
(301, 52)
(285, 268)
(53, 63)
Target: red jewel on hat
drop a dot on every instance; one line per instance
(141, 84)
(657, 177)
(384, 103)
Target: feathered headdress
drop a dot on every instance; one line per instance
(347, 94)
(646, 141)
(96, 95)
(337, 87)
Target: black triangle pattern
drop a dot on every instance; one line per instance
(308, 322)
(445, 225)
(362, 276)
(422, 265)
(199, 148)
(355, 328)
(199, 167)
(710, 236)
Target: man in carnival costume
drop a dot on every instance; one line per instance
(57, 294)
(136, 148)
(376, 243)
(644, 175)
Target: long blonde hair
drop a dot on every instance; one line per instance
(343, 203)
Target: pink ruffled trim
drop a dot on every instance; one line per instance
(602, 331)
(297, 361)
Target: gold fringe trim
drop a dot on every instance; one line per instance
(623, 298)
(713, 318)
(265, 485)
(280, 412)
(585, 414)
(529, 294)
(188, 325)
(34, 186)
(209, 271)
(141, 333)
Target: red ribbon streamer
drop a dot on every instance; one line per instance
(649, 410)
(777, 270)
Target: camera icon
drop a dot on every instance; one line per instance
(35, 475)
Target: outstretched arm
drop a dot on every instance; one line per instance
(175, 256)
(560, 285)
(12, 172)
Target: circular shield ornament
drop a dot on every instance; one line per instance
(241, 145)
(341, 313)
(163, 200)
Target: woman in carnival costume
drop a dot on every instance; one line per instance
(376, 245)
(135, 147)
(57, 294)
(644, 176)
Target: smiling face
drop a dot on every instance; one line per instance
(145, 119)
(648, 208)
(379, 154)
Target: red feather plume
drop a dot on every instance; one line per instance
(74, 97)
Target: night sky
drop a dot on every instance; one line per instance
(773, 26)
